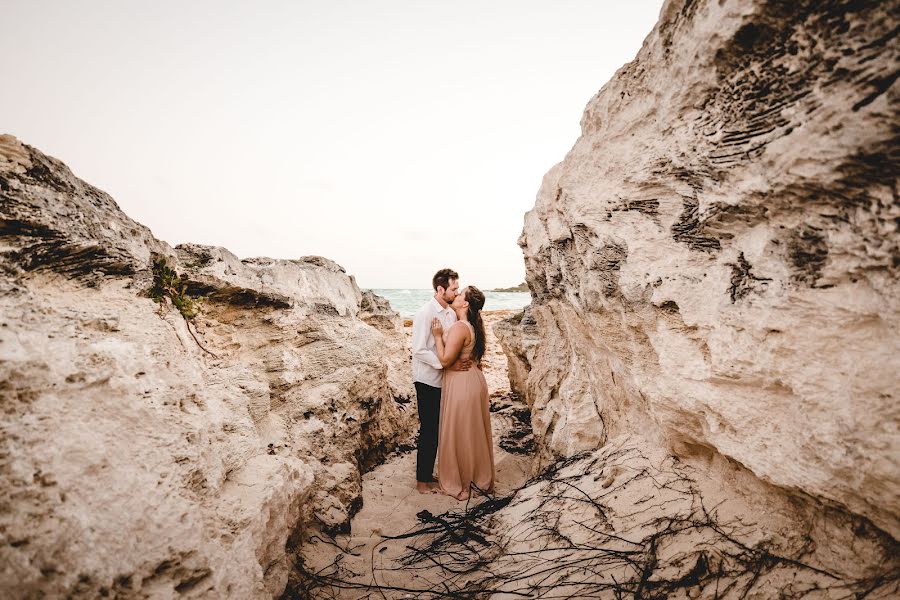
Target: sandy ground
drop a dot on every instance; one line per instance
(604, 524)
(391, 502)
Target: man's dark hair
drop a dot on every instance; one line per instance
(442, 278)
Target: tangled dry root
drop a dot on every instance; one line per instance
(604, 524)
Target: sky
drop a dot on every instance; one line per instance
(395, 137)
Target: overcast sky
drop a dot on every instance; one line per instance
(395, 137)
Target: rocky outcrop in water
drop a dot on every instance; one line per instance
(143, 455)
(715, 263)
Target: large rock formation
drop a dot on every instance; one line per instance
(146, 456)
(715, 263)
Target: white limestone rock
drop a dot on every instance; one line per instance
(133, 462)
(715, 261)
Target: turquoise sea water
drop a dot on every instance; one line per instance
(407, 302)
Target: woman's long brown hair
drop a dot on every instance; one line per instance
(475, 298)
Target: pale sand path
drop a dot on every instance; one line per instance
(390, 501)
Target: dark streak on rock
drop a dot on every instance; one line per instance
(808, 252)
(236, 296)
(26, 228)
(194, 256)
(537, 283)
(607, 262)
(192, 580)
(743, 281)
(88, 263)
(723, 219)
(881, 85)
(777, 65)
(670, 306)
(326, 309)
(689, 230)
(41, 174)
(648, 206)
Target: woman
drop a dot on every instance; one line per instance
(465, 447)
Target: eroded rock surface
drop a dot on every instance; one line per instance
(133, 461)
(519, 338)
(714, 265)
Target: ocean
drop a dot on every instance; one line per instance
(407, 302)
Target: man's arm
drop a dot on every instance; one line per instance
(420, 336)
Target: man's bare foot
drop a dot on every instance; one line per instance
(425, 487)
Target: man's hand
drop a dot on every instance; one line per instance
(462, 365)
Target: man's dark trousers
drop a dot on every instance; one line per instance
(428, 401)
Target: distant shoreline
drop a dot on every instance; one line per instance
(522, 287)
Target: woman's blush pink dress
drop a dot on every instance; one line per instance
(465, 445)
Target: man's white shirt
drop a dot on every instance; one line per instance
(426, 366)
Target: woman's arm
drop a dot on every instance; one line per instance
(449, 352)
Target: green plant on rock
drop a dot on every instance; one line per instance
(167, 284)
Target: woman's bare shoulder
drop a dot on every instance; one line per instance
(461, 328)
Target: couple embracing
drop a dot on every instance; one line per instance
(451, 392)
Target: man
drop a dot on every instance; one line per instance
(427, 372)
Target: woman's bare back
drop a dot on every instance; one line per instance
(468, 345)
